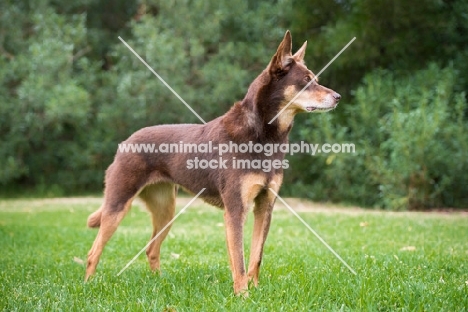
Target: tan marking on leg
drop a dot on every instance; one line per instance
(276, 182)
(262, 213)
(234, 229)
(160, 200)
(251, 185)
(109, 223)
(234, 219)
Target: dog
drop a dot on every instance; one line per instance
(156, 177)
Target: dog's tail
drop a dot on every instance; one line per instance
(94, 219)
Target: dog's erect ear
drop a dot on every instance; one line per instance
(299, 55)
(283, 57)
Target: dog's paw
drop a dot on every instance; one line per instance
(242, 288)
(244, 293)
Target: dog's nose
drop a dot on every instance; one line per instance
(336, 96)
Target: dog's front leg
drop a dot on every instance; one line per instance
(262, 212)
(234, 218)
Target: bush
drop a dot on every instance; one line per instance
(411, 144)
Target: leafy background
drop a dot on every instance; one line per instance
(70, 90)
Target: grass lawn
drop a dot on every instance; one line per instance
(404, 261)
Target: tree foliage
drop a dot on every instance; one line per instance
(70, 91)
(411, 142)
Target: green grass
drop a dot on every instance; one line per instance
(39, 240)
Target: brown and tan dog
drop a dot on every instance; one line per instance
(154, 177)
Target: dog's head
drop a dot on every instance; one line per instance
(290, 75)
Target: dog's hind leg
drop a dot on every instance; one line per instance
(119, 194)
(160, 200)
(110, 219)
(262, 217)
(111, 216)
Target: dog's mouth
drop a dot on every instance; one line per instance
(319, 109)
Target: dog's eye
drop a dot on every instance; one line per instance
(308, 79)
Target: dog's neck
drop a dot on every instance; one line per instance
(249, 118)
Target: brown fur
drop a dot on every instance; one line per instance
(154, 177)
(94, 220)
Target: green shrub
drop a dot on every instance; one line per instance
(411, 143)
